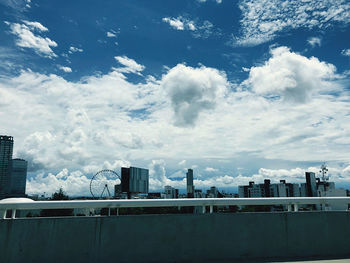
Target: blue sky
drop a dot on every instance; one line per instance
(238, 90)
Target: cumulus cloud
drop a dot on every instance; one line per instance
(175, 23)
(28, 39)
(111, 34)
(290, 75)
(157, 175)
(74, 49)
(35, 26)
(294, 175)
(130, 65)
(192, 90)
(159, 179)
(346, 52)
(263, 19)
(85, 124)
(73, 183)
(314, 41)
(65, 69)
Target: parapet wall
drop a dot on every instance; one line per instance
(176, 238)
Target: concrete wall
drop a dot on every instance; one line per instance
(176, 238)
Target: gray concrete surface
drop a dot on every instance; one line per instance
(318, 261)
(177, 238)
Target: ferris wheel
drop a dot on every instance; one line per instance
(103, 182)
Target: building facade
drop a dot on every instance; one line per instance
(170, 192)
(190, 186)
(281, 189)
(18, 177)
(6, 150)
(134, 180)
(311, 186)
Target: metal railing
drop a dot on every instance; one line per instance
(292, 203)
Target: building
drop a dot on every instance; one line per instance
(117, 190)
(170, 192)
(213, 192)
(331, 192)
(311, 186)
(190, 186)
(6, 150)
(293, 190)
(18, 177)
(134, 180)
(281, 189)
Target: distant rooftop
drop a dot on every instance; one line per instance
(5, 137)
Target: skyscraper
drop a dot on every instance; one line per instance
(311, 187)
(190, 187)
(6, 150)
(134, 180)
(18, 177)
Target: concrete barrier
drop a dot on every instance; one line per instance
(176, 238)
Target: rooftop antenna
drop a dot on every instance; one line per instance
(324, 171)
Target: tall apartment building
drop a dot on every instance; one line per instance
(281, 189)
(6, 150)
(171, 192)
(190, 186)
(18, 174)
(311, 186)
(134, 180)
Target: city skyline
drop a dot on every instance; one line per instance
(213, 86)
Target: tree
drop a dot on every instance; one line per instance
(59, 195)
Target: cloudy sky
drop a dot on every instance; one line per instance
(237, 90)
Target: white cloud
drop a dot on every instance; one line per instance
(35, 26)
(111, 34)
(192, 90)
(203, 1)
(346, 52)
(65, 69)
(75, 49)
(314, 41)
(175, 23)
(181, 163)
(295, 175)
(17, 5)
(27, 38)
(204, 30)
(210, 169)
(130, 65)
(291, 76)
(263, 19)
(199, 29)
(73, 183)
(77, 184)
(87, 124)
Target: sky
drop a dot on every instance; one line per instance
(236, 90)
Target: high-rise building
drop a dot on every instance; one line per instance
(6, 150)
(311, 187)
(303, 189)
(134, 180)
(189, 180)
(171, 192)
(281, 189)
(18, 177)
